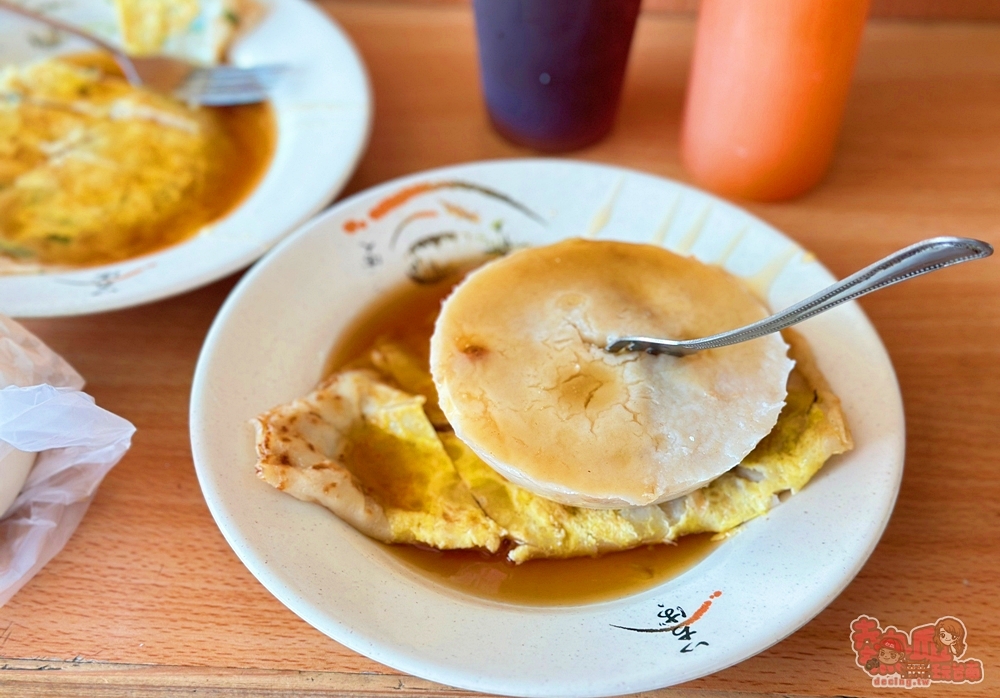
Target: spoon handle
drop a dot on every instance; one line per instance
(909, 262)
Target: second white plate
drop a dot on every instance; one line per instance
(323, 109)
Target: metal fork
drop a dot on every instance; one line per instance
(921, 258)
(216, 86)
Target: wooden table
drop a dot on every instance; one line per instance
(147, 599)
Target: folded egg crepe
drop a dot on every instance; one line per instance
(367, 452)
(363, 445)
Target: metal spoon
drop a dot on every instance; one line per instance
(921, 258)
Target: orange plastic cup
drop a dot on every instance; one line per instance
(769, 82)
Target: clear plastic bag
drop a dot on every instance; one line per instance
(43, 410)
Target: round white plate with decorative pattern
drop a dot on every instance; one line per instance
(323, 111)
(269, 343)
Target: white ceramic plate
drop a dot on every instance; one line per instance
(268, 346)
(323, 110)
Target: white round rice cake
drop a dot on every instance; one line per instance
(519, 363)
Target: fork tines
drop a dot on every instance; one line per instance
(222, 85)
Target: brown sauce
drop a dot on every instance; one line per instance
(242, 161)
(406, 315)
(570, 582)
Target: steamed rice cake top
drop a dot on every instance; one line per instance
(519, 363)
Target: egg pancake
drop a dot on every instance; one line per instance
(93, 170)
(410, 374)
(367, 452)
(809, 430)
(539, 527)
(441, 480)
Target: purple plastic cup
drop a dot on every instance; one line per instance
(552, 70)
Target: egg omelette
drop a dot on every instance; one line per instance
(363, 445)
(94, 170)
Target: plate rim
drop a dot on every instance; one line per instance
(360, 642)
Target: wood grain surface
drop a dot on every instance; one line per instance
(147, 599)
